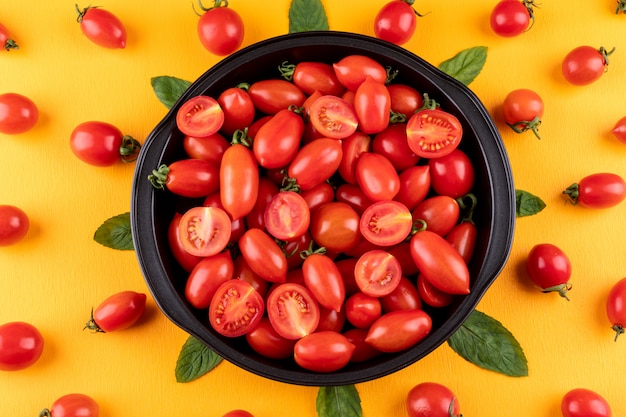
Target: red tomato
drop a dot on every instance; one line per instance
(102, 27)
(440, 263)
(463, 238)
(315, 162)
(220, 29)
(21, 345)
(430, 399)
(206, 277)
(6, 42)
(18, 114)
(204, 231)
(512, 18)
(452, 175)
(601, 190)
(287, 216)
(392, 144)
(585, 64)
(245, 273)
(352, 70)
(353, 195)
(433, 133)
(256, 125)
(431, 295)
(440, 213)
(333, 117)
(315, 76)
(277, 141)
(272, 95)
(263, 255)
(372, 105)
(405, 99)
(102, 144)
(404, 297)
(363, 351)
(353, 146)
(395, 22)
(210, 148)
(523, 110)
(238, 109)
(549, 268)
(238, 413)
(414, 186)
(239, 181)
(200, 116)
(582, 402)
(377, 273)
(236, 308)
(266, 341)
(619, 130)
(616, 307)
(14, 224)
(346, 268)
(237, 226)
(72, 405)
(331, 320)
(402, 253)
(335, 226)
(186, 260)
(187, 177)
(293, 310)
(377, 177)
(323, 351)
(362, 310)
(117, 312)
(266, 191)
(386, 223)
(324, 280)
(399, 330)
(319, 195)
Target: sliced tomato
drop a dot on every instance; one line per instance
(236, 308)
(200, 116)
(433, 133)
(386, 223)
(377, 273)
(333, 117)
(287, 216)
(292, 310)
(204, 231)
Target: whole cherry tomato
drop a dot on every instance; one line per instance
(386, 223)
(311, 76)
(263, 255)
(523, 110)
(14, 224)
(399, 330)
(372, 104)
(266, 191)
(266, 341)
(585, 64)
(331, 319)
(287, 216)
(277, 141)
(238, 413)
(315, 162)
(512, 18)
(583, 402)
(362, 310)
(333, 117)
(204, 231)
(18, 114)
(405, 100)
(210, 148)
(431, 399)
(102, 27)
(377, 273)
(616, 307)
(439, 212)
(396, 22)
(392, 143)
(207, 276)
(72, 405)
(272, 95)
(352, 70)
(353, 146)
(319, 195)
(452, 175)
(187, 177)
(238, 180)
(353, 195)
(433, 133)
(325, 351)
(238, 109)
(404, 297)
(220, 28)
(200, 116)
(363, 351)
(377, 176)
(21, 345)
(601, 190)
(237, 226)
(335, 226)
(415, 183)
(431, 295)
(549, 268)
(619, 130)
(324, 280)
(463, 238)
(245, 273)
(117, 312)
(6, 42)
(293, 310)
(236, 308)
(102, 144)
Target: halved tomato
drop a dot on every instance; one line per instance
(287, 216)
(386, 223)
(204, 231)
(200, 116)
(292, 310)
(236, 308)
(433, 133)
(333, 117)
(377, 273)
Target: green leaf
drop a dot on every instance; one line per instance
(195, 360)
(307, 15)
(527, 204)
(485, 342)
(340, 401)
(169, 89)
(115, 233)
(466, 65)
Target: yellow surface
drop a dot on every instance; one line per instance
(54, 277)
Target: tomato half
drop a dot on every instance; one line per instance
(333, 117)
(432, 399)
(399, 330)
(433, 133)
(204, 231)
(293, 310)
(207, 276)
(200, 116)
(601, 190)
(186, 260)
(21, 345)
(287, 216)
(102, 27)
(549, 268)
(386, 223)
(263, 255)
(220, 30)
(14, 224)
(72, 405)
(236, 308)
(117, 312)
(583, 402)
(324, 280)
(377, 273)
(18, 113)
(325, 351)
(616, 307)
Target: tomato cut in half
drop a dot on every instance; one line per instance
(204, 231)
(200, 116)
(236, 308)
(433, 133)
(377, 273)
(292, 310)
(333, 117)
(287, 216)
(386, 223)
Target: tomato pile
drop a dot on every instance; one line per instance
(328, 211)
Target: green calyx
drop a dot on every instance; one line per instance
(428, 103)
(621, 7)
(92, 325)
(287, 70)
(240, 137)
(129, 149)
(158, 178)
(562, 289)
(216, 4)
(10, 44)
(605, 55)
(524, 125)
(529, 4)
(572, 193)
(45, 413)
(618, 330)
(467, 204)
(81, 13)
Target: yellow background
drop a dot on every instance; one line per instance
(54, 276)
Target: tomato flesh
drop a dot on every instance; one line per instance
(293, 310)
(433, 133)
(333, 117)
(205, 231)
(377, 273)
(236, 308)
(386, 223)
(200, 116)
(287, 216)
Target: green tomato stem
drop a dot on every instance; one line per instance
(562, 289)
(572, 193)
(287, 70)
(92, 325)
(621, 7)
(10, 44)
(158, 178)
(618, 330)
(45, 413)
(129, 149)
(524, 125)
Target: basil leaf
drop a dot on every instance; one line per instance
(340, 401)
(115, 233)
(527, 204)
(485, 342)
(466, 65)
(168, 89)
(195, 360)
(307, 15)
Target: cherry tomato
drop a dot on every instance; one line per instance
(102, 27)
(452, 175)
(238, 413)
(263, 255)
(102, 144)
(14, 224)
(6, 42)
(266, 341)
(200, 116)
(335, 226)
(582, 402)
(277, 141)
(272, 95)
(266, 191)
(399, 330)
(324, 280)
(323, 351)
(431, 399)
(117, 312)
(363, 351)
(287, 216)
(404, 297)
(333, 117)
(405, 99)
(512, 18)
(372, 104)
(186, 260)
(601, 190)
(331, 319)
(463, 238)
(238, 109)
(431, 295)
(616, 307)
(220, 29)
(440, 263)
(293, 310)
(585, 64)
(439, 212)
(377, 273)
(353, 195)
(21, 345)
(239, 181)
(377, 177)
(237, 226)
(362, 310)
(206, 277)
(386, 223)
(319, 195)
(312, 76)
(392, 143)
(245, 273)
(187, 177)
(210, 148)
(353, 146)
(415, 183)
(315, 162)
(204, 231)
(352, 70)
(402, 253)
(72, 405)
(433, 133)
(236, 308)
(619, 130)
(549, 268)
(395, 22)
(18, 114)
(523, 110)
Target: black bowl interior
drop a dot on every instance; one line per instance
(152, 210)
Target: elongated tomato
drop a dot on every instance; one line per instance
(239, 181)
(278, 140)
